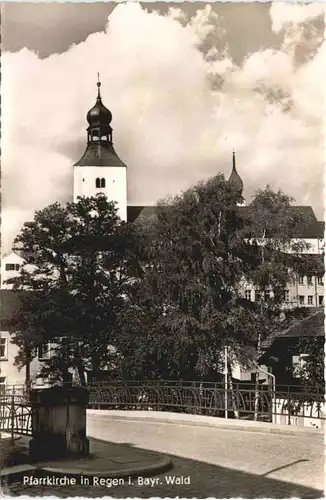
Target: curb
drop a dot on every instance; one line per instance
(13, 474)
(163, 465)
(8, 476)
(216, 423)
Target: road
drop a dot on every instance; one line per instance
(220, 463)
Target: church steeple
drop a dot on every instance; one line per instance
(99, 150)
(99, 119)
(100, 170)
(235, 179)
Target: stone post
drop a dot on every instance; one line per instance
(58, 423)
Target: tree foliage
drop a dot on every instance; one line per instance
(159, 298)
(77, 263)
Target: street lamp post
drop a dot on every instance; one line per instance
(226, 382)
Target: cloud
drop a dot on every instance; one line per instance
(178, 110)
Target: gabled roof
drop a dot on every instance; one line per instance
(312, 326)
(310, 229)
(8, 254)
(136, 211)
(100, 155)
(309, 323)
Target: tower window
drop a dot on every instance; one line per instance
(98, 182)
(102, 182)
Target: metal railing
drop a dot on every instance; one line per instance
(279, 405)
(15, 414)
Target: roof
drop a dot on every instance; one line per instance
(310, 229)
(138, 211)
(309, 323)
(9, 254)
(100, 155)
(312, 326)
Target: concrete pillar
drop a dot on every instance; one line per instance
(59, 423)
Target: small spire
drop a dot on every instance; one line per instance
(235, 178)
(98, 86)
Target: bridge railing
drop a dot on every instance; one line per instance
(292, 405)
(15, 414)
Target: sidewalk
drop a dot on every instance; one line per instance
(202, 421)
(106, 460)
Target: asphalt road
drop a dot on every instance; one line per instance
(210, 462)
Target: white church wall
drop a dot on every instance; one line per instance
(115, 185)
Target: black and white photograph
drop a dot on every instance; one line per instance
(162, 249)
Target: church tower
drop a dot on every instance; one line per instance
(235, 180)
(100, 170)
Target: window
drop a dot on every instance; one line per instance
(102, 182)
(248, 294)
(320, 280)
(310, 299)
(309, 280)
(3, 381)
(12, 267)
(301, 279)
(257, 295)
(44, 351)
(298, 363)
(3, 348)
(98, 182)
(301, 300)
(268, 294)
(286, 295)
(321, 300)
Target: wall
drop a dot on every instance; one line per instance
(13, 375)
(115, 185)
(11, 258)
(7, 368)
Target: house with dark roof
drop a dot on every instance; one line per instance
(283, 352)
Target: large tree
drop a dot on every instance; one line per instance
(184, 306)
(78, 260)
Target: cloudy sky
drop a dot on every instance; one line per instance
(186, 84)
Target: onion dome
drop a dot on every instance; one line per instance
(99, 151)
(99, 114)
(235, 180)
